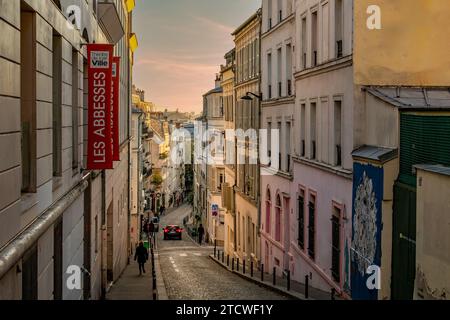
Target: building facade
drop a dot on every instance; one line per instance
(277, 114)
(247, 116)
(54, 215)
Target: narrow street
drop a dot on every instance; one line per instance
(189, 273)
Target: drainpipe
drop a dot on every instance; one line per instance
(258, 196)
(14, 250)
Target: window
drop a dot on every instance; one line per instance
(28, 100)
(336, 244)
(280, 11)
(288, 147)
(269, 15)
(268, 210)
(312, 226)
(279, 71)
(57, 105)
(289, 69)
(315, 37)
(75, 108)
(269, 75)
(301, 220)
(278, 219)
(338, 132)
(339, 28)
(280, 141)
(304, 42)
(313, 151)
(303, 129)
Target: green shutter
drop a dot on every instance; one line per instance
(423, 139)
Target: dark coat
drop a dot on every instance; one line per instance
(201, 231)
(141, 254)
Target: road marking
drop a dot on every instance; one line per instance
(173, 262)
(176, 270)
(170, 258)
(197, 254)
(183, 255)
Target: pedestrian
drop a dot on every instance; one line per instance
(141, 256)
(200, 232)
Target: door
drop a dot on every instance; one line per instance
(403, 242)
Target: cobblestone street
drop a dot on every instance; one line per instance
(189, 273)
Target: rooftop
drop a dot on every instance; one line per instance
(413, 98)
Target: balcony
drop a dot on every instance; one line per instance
(109, 20)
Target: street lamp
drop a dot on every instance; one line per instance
(248, 96)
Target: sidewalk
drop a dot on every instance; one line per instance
(131, 286)
(297, 290)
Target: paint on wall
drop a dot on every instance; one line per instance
(366, 231)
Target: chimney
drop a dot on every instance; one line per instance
(218, 80)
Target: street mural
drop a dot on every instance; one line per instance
(366, 231)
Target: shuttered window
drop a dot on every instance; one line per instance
(423, 139)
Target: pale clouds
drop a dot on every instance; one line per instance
(181, 46)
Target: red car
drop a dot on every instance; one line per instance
(172, 232)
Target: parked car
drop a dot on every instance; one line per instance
(173, 232)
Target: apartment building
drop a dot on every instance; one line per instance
(228, 196)
(54, 215)
(215, 169)
(247, 116)
(277, 114)
(321, 190)
(137, 180)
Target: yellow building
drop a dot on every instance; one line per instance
(247, 42)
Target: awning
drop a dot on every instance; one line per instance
(109, 21)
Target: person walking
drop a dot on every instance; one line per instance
(141, 256)
(200, 232)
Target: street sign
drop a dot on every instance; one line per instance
(215, 210)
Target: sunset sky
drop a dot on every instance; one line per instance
(181, 46)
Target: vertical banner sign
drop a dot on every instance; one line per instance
(99, 151)
(115, 90)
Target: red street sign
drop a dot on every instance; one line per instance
(115, 90)
(99, 149)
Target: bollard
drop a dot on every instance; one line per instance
(251, 268)
(243, 266)
(288, 276)
(237, 264)
(232, 264)
(306, 287)
(218, 254)
(274, 276)
(262, 272)
(215, 248)
(223, 257)
(228, 260)
(333, 294)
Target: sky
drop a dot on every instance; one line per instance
(182, 44)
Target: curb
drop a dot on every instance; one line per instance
(161, 292)
(297, 296)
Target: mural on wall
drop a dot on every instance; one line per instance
(366, 231)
